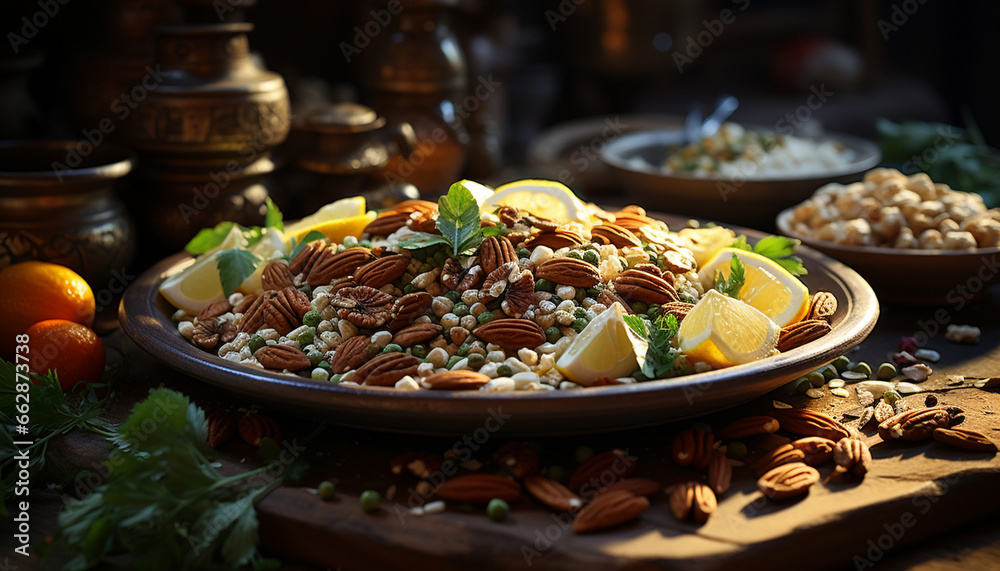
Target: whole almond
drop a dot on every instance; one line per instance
(693, 500)
(609, 510)
(350, 354)
(221, 426)
(964, 439)
(511, 334)
(552, 494)
(602, 470)
(255, 426)
(282, 357)
(787, 481)
(810, 423)
(385, 370)
(416, 333)
(693, 447)
(568, 271)
(852, 456)
(555, 239)
(456, 380)
(479, 489)
(748, 427)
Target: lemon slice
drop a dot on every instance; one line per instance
(343, 208)
(546, 198)
(768, 287)
(335, 230)
(480, 192)
(705, 243)
(602, 349)
(723, 331)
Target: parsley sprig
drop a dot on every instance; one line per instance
(459, 224)
(659, 358)
(781, 249)
(736, 280)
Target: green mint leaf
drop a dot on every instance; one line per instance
(638, 325)
(273, 218)
(775, 247)
(794, 265)
(297, 246)
(498, 230)
(208, 238)
(741, 243)
(235, 266)
(422, 240)
(458, 219)
(737, 277)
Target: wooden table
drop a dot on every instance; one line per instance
(922, 506)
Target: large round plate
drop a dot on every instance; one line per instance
(146, 317)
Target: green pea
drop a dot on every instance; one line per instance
(327, 490)
(841, 363)
(583, 453)
(392, 348)
(544, 285)
(863, 368)
(460, 309)
(702, 426)
(816, 379)
(365, 243)
(579, 325)
(311, 318)
(370, 501)
(640, 306)
(497, 509)
(350, 241)
(591, 257)
(454, 296)
(523, 253)
(579, 312)
(306, 337)
(654, 311)
(552, 334)
(452, 360)
(371, 350)
(463, 349)
(409, 288)
(476, 360)
(418, 351)
(314, 357)
(318, 374)
(256, 342)
(485, 317)
(504, 371)
(557, 473)
(581, 294)
(829, 372)
(736, 450)
(325, 366)
(336, 378)
(574, 254)
(886, 371)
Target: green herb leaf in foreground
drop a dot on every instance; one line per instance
(273, 217)
(163, 504)
(737, 277)
(780, 249)
(458, 220)
(659, 358)
(208, 238)
(235, 266)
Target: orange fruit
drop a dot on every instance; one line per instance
(35, 291)
(73, 350)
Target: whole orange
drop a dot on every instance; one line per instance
(34, 291)
(73, 350)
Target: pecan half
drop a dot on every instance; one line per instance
(416, 333)
(285, 309)
(514, 286)
(333, 266)
(915, 424)
(456, 278)
(811, 450)
(853, 456)
(496, 251)
(810, 423)
(802, 332)
(518, 458)
(479, 489)
(386, 370)
(964, 439)
(552, 494)
(245, 303)
(306, 259)
(456, 380)
(282, 357)
(720, 472)
(511, 333)
(276, 276)
(350, 354)
(748, 427)
(555, 239)
(693, 447)
(609, 298)
(787, 481)
(608, 510)
(614, 234)
(382, 271)
(221, 426)
(408, 308)
(568, 271)
(601, 471)
(255, 426)
(210, 331)
(785, 454)
(495, 284)
(636, 284)
(692, 499)
(363, 306)
(215, 309)
(822, 306)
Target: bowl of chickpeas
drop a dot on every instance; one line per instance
(914, 240)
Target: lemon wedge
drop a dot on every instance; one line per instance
(723, 332)
(602, 349)
(768, 287)
(705, 243)
(546, 198)
(343, 208)
(335, 230)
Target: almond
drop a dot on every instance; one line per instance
(555, 239)
(915, 424)
(822, 306)
(416, 333)
(382, 271)
(511, 333)
(809, 423)
(964, 439)
(255, 426)
(552, 494)
(692, 499)
(693, 447)
(496, 251)
(608, 510)
(788, 480)
(615, 235)
(456, 381)
(568, 271)
(798, 334)
(479, 489)
(282, 357)
(748, 427)
(853, 456)
(350, 354)
(386, 370)
(602, 470)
